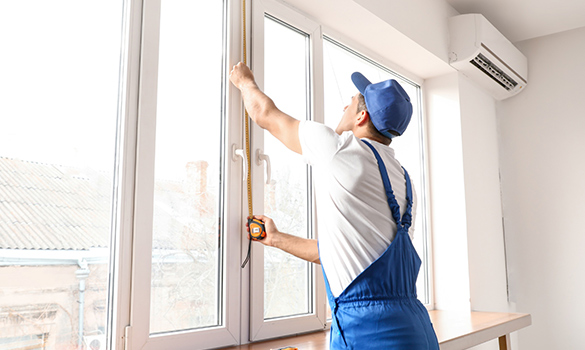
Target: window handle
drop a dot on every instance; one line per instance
(260, 156)
(240, 152)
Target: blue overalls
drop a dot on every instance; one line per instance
(379, 309)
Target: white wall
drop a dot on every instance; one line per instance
(407, 17)
(447, 193)
(542, 155)
(485, 237)
(391, 29)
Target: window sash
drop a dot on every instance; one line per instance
(260, 328)
(138, 335)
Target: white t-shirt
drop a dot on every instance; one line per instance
(355, 225)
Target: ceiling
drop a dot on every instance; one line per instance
(526, 19)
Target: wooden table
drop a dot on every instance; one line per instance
(455, 331)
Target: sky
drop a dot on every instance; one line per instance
(59, 81)
(59, 84)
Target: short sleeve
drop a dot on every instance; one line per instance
(319, 143)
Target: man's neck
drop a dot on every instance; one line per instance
(364, 134)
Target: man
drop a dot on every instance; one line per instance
(365, 209)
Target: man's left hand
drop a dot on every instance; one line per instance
(241, 75)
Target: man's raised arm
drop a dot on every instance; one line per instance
(263, 111)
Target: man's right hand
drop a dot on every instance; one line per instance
(272, 233)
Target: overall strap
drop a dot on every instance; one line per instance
(333, 305)
(407, 217)
(394, 207)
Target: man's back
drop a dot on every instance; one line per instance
(354, 219)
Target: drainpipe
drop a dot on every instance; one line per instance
(82, 273)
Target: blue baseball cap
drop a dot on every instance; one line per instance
(388, 104)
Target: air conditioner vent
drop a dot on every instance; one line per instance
(494, 72)
(484, 55)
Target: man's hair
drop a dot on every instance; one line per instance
(371, 128)
(361, 103)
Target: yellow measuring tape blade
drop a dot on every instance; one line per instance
(247, 120)
(247, 137)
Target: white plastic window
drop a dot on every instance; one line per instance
(283, 57)
(287, 279)
(101, 160)
(186, 288)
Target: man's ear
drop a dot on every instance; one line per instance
(362, 118)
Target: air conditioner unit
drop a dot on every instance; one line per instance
(95, 342)
(482, 53)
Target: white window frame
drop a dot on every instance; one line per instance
(259, 327)
(130, 262)
(243, 314)
(121, 256)
(137, 335)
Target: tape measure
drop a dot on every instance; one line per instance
(257, 229)
(256, 226)
(247, 120)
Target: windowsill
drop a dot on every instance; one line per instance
(462, 330)
(455, 330)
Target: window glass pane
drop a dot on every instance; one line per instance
(59, 93)
(339, 63)
(286, 278)
(186, 258)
